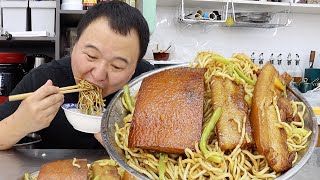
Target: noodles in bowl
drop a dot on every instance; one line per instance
(86, 115)
(245, 163)
(90, 102)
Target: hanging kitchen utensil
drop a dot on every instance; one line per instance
(312, 73)
(312, 56)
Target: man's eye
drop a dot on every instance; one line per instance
(91, 57)
(117, 67)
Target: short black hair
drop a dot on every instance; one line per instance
(122, 18)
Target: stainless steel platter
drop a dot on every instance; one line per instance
(116, 112)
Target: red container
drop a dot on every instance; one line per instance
(12, 58)
(161, 56)
(11, 72)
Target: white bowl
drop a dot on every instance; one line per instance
(81, 122)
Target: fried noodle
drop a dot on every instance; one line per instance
(91, 101)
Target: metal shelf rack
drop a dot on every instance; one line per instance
(276, 16)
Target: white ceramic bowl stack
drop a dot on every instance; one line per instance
(71, 5)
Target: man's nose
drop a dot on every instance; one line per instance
(100, 73)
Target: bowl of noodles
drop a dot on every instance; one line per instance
(86, 115)
(239, 163)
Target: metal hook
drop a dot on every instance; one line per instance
(279, 57)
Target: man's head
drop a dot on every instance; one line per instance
(122, 18)
(112, 38)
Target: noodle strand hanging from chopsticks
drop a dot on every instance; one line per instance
(90, 102)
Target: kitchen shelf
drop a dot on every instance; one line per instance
(52, 39)
(251, 16)
(73, 11)
(243, 15)
(186, 12)
(261, 5)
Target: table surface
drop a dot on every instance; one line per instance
(15, 162)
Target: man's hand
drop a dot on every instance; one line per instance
(38, 110)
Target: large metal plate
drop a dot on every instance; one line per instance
(116, 112)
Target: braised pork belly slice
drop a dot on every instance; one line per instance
(168, 113)
(64, 169)
(230, 97)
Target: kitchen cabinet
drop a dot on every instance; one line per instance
(29, 45)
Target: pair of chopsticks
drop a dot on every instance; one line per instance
(63, 90)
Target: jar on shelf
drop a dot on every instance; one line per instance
(87, 4)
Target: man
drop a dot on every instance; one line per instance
(112, 39)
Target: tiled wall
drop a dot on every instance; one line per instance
(302, 36)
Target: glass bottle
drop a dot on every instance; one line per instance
(271, 59)
(298, 73)
(252, 57)
(289, 69)
(279, 64)
(261, 59)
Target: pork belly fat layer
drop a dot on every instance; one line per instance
(169, 111)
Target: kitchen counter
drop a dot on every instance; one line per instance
(14, 163)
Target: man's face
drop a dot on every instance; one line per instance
(105, 58)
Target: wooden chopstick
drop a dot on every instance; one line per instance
(69, 87)
(63, 90)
